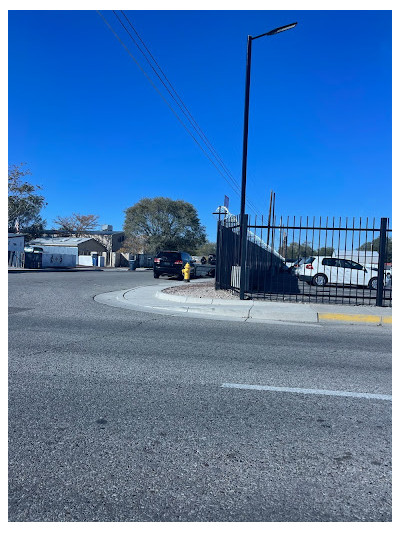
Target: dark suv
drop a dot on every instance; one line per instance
(171, 263)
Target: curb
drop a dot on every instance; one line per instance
(354, 319)
(254, 310)
(151, 299)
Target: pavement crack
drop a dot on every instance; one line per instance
(248, 313)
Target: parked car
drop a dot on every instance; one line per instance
(320, 271)
(171, 263)
(292, 264)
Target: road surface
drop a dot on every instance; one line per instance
(116, 415)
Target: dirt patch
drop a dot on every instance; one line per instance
(201, 290)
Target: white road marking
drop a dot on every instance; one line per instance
(310, 391)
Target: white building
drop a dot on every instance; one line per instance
(81, 247)
(16, 242)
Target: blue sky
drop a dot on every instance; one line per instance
(98, 137)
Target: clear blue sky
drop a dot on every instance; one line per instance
(98, 137)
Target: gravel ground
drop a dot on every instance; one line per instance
(202, 290)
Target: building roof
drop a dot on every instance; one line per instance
(60, 241)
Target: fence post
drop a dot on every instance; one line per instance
(219, 258)
(381, 263)
(243, 250)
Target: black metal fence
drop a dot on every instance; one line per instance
(341, 261)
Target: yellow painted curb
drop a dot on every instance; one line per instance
(371, 319)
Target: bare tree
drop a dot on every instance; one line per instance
(77, 223)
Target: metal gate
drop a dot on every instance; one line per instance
(341, 261)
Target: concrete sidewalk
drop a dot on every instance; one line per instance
(151, 299)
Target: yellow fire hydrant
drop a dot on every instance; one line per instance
(186, 272)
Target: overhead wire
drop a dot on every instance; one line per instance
(159, 92)
(232, 183)
(180, 103)
(178, 99)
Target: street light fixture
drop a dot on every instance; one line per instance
(243, 232)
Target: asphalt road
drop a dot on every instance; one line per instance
(116, 415)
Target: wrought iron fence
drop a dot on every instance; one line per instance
(346, 261)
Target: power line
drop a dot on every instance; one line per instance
(172, 92)
(182, 107)
(234, 184)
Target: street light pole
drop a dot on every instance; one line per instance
(243, 219)
(245, 128)
(246, 110)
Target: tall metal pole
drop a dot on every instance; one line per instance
(243, 218)
(245, 127)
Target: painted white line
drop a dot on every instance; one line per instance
(310, 391)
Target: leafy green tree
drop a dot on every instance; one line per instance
(24, 204)
(134, 244)
(206, 249)
(325, 251)
(373, 246)
(165, 224)
(295, 250)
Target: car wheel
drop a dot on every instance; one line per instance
(319, 280)
(156, 275)
(181, 277)
(373, 283)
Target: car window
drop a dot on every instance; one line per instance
(330, 261)
(186, 257)
(352, 264)
(169, 256)
(308, 260)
